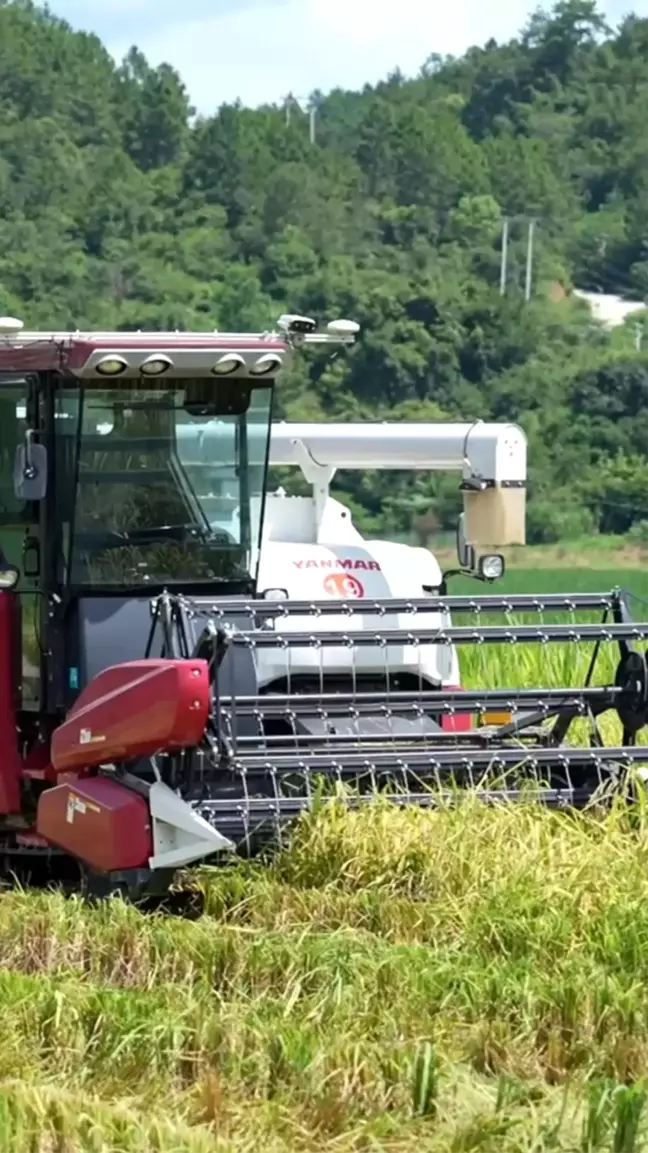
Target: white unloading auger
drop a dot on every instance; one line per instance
(492, 460)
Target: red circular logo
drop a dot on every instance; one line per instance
(341, 585)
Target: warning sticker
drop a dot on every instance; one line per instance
(342, 585)
(74, 805)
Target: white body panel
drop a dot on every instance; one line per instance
(337, 562)
(180, 835)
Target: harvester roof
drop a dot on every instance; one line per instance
(118, 355)
(124, 354)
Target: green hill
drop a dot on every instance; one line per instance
(118, 208)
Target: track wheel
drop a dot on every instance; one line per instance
(150, 892)
(102, 886)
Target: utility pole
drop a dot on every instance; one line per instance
(504, 255)
(299, 103)
(529, 260)
(638, 336)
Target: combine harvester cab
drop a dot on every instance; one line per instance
(160, 707)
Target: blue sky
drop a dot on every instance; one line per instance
(258, 50)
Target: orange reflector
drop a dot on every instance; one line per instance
(495, 718)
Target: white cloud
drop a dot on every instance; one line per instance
(104, 13)
(263, 51)
(258, 50)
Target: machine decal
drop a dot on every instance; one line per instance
(341, 585)
(345, 563)
(86, 737)
(74, 805)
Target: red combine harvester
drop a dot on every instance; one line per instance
(136, 735)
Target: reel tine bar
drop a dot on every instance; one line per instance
(271, 747)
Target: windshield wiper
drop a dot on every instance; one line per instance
(183, 481)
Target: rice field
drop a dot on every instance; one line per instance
(558, 580)
(407, 982)
(553, 664)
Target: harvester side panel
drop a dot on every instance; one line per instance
(134, 710)
(106, 631)
(99, 822)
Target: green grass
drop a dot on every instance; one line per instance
(537, 665)
(471, 979)
(565, 579)
(462, 980)
(600, 554)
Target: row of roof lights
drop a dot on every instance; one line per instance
(158, 364)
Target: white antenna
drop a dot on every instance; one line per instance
(343, 327)
(10, 326)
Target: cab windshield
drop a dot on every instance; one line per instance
(161, 483)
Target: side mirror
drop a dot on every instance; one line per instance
(489, 567)
(465, 551)
(30, 469)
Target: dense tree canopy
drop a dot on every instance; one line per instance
(120, 209)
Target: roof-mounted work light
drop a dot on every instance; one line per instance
(155, 365)
(266, 364)
(111, 366)
(228, 364)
